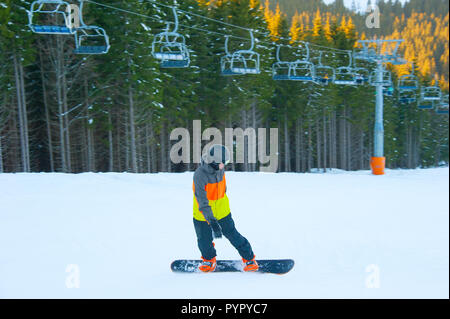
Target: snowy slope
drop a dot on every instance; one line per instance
(346, 231)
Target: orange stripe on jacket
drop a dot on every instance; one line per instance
(214, 191)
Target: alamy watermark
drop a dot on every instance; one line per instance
(373, 279)
(257, 148)
(373, 19)
(73, 277)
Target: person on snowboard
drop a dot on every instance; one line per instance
(212, 215)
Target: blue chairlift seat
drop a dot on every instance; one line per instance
(324, 74)
(345, 76)
(281, 71)
(388, 91)
(431, 93)
(240, 62)
(407, 97)
(91, 40)
(169, 47)
(59, 10)
(171, 50)
(361, 75)
(302, 71)
(408, 82)
(442, 107)
(425, 105)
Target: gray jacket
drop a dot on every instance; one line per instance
(209, 184)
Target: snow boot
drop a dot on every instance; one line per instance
(250, 265)
(208, 265)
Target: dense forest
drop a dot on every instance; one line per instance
(67, 112)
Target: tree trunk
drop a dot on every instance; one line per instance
(361, 150)
(318, 146)
(62, 140)
(110, 143)
(298, 136)
(132, 131)
(1, 155)
(349, 140)
(22, 114)
(333, 141)
(324, 130)
(90, 133)
(66, 112)
(343, 141)
(310, 147)
(47, 115)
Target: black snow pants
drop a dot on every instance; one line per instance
(205, 238)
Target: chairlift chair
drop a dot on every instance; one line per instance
(323, 74)
(361, 75)
(240, 62)
(442, 106)
(388, 91)
(302, 71)
(366, 54)
(90, 39)
(386, 79)
(407, 96)
(345, 75)
(408, 82)
(61, 13)
(169, 47)
(281, 70)
(386, 82)
(426, 104)
(407, 86)
(431, 93)
(430, 97)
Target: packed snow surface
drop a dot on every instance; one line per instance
(114, 235)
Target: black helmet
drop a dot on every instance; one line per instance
(216, 155)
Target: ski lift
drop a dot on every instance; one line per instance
(90, 39)
(408, 82)
(426, 105)
(361, 75)
(61, 13)
(281, 70)
(386, 80)
(345, 75)
(388, 91)
(170, 47)
(407, 96)
(442, 106)
(431, 93)
(323, 74)
(303, 70)
(298, 70)
(366, 54)
(240, 62)
(407, 86)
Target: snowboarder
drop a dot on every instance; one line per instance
(212, 215)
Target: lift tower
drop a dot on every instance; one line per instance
(379, 52)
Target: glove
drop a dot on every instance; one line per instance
(217, 230)
(212, 221)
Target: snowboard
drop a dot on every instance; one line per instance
(272, 266)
